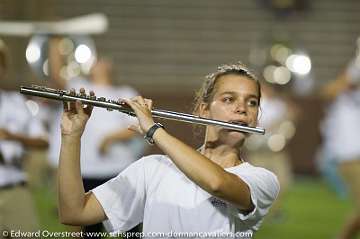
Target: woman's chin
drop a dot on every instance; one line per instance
(236, 138)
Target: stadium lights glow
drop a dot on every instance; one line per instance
(82, 53)
(32, 53)
(282, 75)
(300, 64)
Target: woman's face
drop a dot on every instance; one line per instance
(235, 100)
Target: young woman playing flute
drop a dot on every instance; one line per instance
(209, 190)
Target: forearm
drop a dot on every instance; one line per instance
(205, 173)
(38, 142)
(121, 135)
(71, 191)
(202, 171)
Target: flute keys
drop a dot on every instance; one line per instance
(103, 99)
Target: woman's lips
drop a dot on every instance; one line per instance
(238, 122)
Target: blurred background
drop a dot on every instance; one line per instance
(300, 49)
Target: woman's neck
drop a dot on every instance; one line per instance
(224, 155)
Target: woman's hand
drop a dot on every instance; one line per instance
(75, 116)
(142, 108)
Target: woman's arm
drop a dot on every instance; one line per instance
(75, 207)
(198, 168)
(208, 175)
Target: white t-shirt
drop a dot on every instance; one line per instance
(341, 127)
(102, 123)
(15, 117)
(153, 191)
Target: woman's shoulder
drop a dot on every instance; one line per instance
(246, 166)
(155, 161)
(256, 173)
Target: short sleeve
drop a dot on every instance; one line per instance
(123, 197)
(264, 188)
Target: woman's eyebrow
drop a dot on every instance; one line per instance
(235, 93)
(253, 96)
(228, 93)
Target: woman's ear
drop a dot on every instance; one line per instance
(204, 110)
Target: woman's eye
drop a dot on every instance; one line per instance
(253, 103)
(227, 99)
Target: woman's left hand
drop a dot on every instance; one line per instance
(142, 108)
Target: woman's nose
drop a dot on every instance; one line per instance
(240, 107)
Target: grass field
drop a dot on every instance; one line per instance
(310, 210)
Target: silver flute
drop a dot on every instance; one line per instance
(63, 95)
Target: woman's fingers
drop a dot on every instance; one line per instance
(75, 107)
(142, 111)
(72, 107)
(82, 92)
(69, 106)
(133, 104)
(89, 108)
(143, 103)
(66, 106)
(78, 104)
(79, 107)
(149, 103)
(140, 100)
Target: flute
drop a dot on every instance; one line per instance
(102, 102)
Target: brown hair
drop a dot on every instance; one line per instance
(206, 92)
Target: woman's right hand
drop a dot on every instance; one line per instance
(75, 116)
